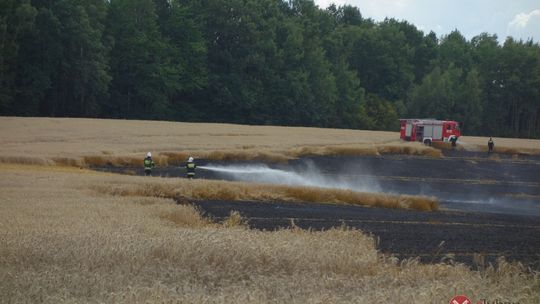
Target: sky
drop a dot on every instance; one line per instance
(517, 18)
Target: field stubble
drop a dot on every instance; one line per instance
(61, 241)
(84, 142)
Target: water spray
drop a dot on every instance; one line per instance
(309, 176)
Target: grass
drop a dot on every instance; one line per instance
(62, 242)
(514, 151)
(74, 137)
(502, 145)
(183, 189)
(268, 156)
(245, 155)
(77, 141)
(307, 194)
(26, 160)
(98, 142)
(177, 158)
(235, 220)
(409, 148)
(442, 145)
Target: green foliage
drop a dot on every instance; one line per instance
(519, 86)
(455, 50)
(469, 105)
(258, 62)
(140, 64)
(56, 61)
(17, 22)
(381, 113)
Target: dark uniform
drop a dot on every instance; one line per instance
(490, 145)
(148, 165)
(190, 169)
(453, 140)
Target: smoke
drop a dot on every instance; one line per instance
(494, 205)
(356, 176)
(468, 147)
(513, 206)
(307, 175)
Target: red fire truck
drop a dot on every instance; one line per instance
(429, 130)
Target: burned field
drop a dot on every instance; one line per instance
(462, 181)
(468, 237)
(489, 207)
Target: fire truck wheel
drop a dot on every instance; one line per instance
(427, 142)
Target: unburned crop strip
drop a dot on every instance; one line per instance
(409, 149)
(511, 150)
(238, 191)
(169, 158)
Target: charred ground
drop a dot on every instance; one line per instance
(490, 205)
(405, 233)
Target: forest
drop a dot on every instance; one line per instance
(265, 62)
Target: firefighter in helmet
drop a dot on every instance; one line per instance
(490, 145)
(453, 140)
(190, 168)
(148, 164)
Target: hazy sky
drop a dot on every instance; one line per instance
(517, 18)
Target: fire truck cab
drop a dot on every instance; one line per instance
(429, 130)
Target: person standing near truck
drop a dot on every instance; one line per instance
(490, 145)
(190, 168)
(453, 140)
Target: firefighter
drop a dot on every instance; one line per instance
(490, 145)
(453, 140)
(148, 164)
(190, 168)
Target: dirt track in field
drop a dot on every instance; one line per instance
(489, 206)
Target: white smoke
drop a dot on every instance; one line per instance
(354, 177)
(308, 176)
(468, 147)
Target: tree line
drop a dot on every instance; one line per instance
(258, 62)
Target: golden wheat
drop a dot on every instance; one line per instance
(182, 189)
(502, 145)
(100, 142)
(80, 142)
(71, 137)
(409, 148)
(62, 243)
(442, 145)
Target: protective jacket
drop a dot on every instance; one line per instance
(148, 163)
(490, 144)
(190, 168)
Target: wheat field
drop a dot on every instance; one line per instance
(72, 235)
(76, 137)
(64, 240)
(79, 142)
